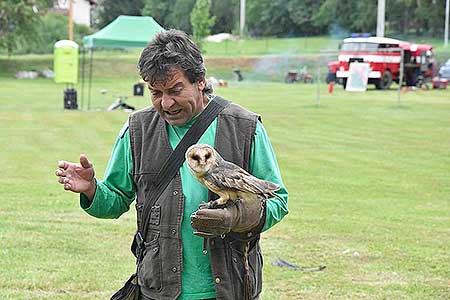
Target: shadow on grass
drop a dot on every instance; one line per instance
(400, 107)
(315, 106)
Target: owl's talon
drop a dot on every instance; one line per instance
(204, 205)
(212, 204)
(232, 203)
(216, 204)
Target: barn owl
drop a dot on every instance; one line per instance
(224, 178)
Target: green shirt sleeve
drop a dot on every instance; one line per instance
(263, 164)
(115, 192)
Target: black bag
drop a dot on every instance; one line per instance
(130, 291)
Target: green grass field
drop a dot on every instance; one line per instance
(297, 46)
(262, 59)
(369, 182)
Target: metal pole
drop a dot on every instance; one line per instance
(70, 20)
(306, 43)
(400, 80)
(83, 63)
(446, 23)
(380, 17)
(242, 18)
(318, 81)
(90, 76)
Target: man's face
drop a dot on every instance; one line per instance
(177, 100)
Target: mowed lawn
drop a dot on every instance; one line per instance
(368, 176)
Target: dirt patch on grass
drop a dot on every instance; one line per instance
(251, 62)
(227, 62)
(380, 279)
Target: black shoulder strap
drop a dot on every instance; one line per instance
(176, 158)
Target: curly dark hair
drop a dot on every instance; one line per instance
(170, 50)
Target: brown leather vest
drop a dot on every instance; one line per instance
(159, 272)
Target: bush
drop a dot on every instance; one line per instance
(52, 28)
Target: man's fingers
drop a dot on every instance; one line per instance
(84, 161)
(67, 186)
(205, 235)
(63, 180)
(208, 213)
(63, 164)
(60, 172)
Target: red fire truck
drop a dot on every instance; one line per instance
(384, 56)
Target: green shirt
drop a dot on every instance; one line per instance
(115, 193)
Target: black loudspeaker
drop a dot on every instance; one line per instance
(138, 89)
(70, 99)
(238, 74)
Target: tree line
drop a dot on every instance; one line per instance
(283, 18)
(25, 25)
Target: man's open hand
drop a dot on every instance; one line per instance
(77, 177)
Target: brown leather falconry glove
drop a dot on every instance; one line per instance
(240, 216)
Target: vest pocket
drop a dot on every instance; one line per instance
(150, 268)
(255, 263)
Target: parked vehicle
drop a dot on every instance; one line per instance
(384, 56)
(444, 71)
(302, 76)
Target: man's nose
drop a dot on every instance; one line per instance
(166, 101)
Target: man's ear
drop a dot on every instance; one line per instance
(201, 84)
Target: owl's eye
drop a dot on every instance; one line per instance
(195, 157)
(207, 155)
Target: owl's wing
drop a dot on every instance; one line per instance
(228, 176)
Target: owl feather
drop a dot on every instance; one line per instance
(224, 178)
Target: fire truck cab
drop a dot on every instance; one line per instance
(384, 56)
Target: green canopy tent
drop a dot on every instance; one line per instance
(123, 32)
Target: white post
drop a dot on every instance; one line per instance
(446, 23)
(242, 18)
(70, 20)
(400, 80)
(318, 80)
(380, 17)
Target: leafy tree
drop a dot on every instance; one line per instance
(400, 18)
(326, 14)
(159, 10)
(269, 17)
(201, 20)
(108, 10)
(430, 16)
(365, 17)
(52, 28)
(306, 17)
(18, 20)
(227, 15)
(180, 16)
(352, 15)
(301, 12)
(171, 13)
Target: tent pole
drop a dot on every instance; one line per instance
(90, 77)
(83, 62)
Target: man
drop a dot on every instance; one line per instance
(173, 264)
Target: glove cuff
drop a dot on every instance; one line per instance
(252, 229)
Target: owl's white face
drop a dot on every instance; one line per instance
(201, 159)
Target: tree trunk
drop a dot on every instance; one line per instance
(405, 21)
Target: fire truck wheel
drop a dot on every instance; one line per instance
(385, 82)
(420, 82)
(344, 83)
